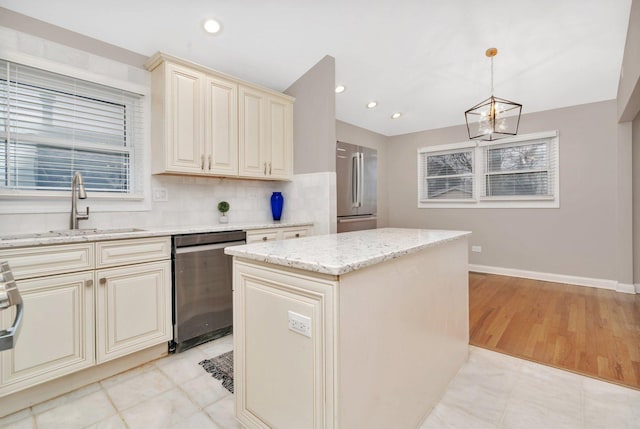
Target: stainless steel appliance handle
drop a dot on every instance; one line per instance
(10, 296)
(354, 181)
(360, 177)
(359, 219)
(192, 249)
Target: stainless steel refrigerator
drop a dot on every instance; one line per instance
(356, 175)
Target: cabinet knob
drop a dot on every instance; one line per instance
(88, 283)
(297, 235)
(202, 162)
(264, 238)
(103, 281)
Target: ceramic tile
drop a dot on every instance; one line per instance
(123, 376)
(28, 423)
(113, 422)
(78, 413)
(193, 355)
(61, 400)
(447, 417)
(12, 418)
(222, 413)
(217, 347)
(541, 412)
(182, 370)
(610, 406)
(197, 421)
(162, 411)
(205, 390)
(139, 388)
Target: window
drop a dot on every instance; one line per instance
(52, 126)
(518, 172)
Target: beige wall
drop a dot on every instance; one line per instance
(359, 136)
(314, 118)
(578, 239)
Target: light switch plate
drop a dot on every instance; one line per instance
(477, 249)
(160, 194)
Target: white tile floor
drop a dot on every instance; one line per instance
(490, 391)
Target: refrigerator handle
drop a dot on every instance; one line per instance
(360, 177)
(355, 180)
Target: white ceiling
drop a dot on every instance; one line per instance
(424, 58)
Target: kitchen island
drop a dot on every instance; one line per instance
(353, 330)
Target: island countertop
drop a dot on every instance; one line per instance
(338, 254)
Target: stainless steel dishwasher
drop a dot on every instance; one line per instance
(202, 296)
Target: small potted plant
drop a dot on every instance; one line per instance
(223, 207)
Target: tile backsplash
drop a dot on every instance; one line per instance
(194, 200)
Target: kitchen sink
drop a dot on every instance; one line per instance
(70, 233)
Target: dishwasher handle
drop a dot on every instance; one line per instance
(192, 249)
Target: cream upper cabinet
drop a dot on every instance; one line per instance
(207, 123)
(266, 135)
(194, 122)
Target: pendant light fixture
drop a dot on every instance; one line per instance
(494, 117)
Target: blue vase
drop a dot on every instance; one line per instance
(277, 201)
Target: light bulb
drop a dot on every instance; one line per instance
(396, 115)
(212, 26)
(340, 89)
(371, 104)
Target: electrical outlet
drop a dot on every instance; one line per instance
(300, 324)
(477, 249)
(160, 194)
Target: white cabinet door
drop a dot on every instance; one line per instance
(221, 127)
(280, 138)
(184, 121)
(57, 331)
(133, 308)
(252, 127)
(268, 353)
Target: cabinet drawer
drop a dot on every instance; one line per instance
(295, 233)
(40, 261)
(126, 252)
(257, 236)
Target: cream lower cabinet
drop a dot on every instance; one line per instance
(270, 234)
(57, 335)
(77, 320)
(275, 365)
(133, 309)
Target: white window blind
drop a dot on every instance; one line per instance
(447, 175)
(522, 170)
(52, 126)
(518, 172)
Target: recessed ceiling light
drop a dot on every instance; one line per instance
(396, 115)
(340, 89)
(372, 104)
(212, 26)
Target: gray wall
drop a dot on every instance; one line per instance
(629, 85)
(579, 238)
(355, 135)
(636, 202)
(314, 118)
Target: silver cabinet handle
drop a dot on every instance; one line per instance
(202, 162)
(88, 283)
(269, 169)
(11, 296)
(210, 162)
(265, 168)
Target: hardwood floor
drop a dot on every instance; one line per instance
(590, 331)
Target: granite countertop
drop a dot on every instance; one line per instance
(338, 254)
(112, 233)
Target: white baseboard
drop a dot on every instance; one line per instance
(558, 278)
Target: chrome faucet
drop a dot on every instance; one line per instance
(79, 193)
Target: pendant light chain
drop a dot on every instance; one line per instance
(492, 76)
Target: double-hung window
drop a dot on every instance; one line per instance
(52, 126)
(519, 172)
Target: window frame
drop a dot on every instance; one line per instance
(507, 201)
(101, 71)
